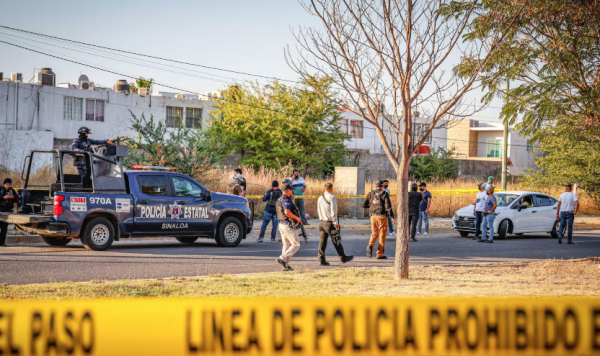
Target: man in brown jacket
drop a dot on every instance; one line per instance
(380, 207)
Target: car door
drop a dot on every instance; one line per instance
(546, 211)
(525, 220)
(151, 210)
(195, 210)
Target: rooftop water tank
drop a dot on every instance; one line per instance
(121, 86)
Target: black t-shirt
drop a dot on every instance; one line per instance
(6, 205)
(414, 199)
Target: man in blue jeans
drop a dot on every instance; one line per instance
(488, 216)
(424, 209)
(479, 209)
(271, 197)
(568, 204)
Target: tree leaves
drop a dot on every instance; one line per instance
(276, 124)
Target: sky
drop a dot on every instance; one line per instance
(240, 35)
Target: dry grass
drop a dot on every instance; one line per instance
(259, 181)
(550, 278)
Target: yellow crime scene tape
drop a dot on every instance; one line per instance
(476, 326)
(437, 191)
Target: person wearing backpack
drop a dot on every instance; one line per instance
(271, 197)
(329, 227)
(380, 207)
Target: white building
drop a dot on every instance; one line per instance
(48, 117)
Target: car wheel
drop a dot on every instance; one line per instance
(187, 240)
(503, 230)
(98, 234)
(554, 232)
(230, 232)
(56, 241)
(464, 233)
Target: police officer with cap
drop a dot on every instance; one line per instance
(83, 143)
(380, 207)
(8, 204)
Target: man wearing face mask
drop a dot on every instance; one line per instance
(386, 183)
(82, 162)
(299, 187)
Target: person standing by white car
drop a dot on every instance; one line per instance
(479, 209)
(568, 204)
(488, 216)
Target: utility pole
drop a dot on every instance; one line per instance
(505, 146)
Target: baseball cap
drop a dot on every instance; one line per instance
(287, 180)
(286, 187)
(379, 183)
(423, 184)
(490, 178)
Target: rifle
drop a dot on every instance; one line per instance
(295, 224)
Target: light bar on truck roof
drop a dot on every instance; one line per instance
(137, 166)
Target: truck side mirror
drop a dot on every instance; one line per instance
(208, 195)
(522, 206)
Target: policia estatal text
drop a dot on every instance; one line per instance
(82, 162)
(8, 204)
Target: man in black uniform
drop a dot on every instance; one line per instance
(8, 204)
(414, 201)
(83, 143)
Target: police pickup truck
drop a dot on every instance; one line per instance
(121, 203)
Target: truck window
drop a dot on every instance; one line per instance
(153, 185)
(186, 188)
(108, 176)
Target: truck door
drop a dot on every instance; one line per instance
(153, 215)
(195, 211)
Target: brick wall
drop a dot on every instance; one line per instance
(463, 139)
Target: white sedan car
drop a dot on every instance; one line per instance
(518, 212)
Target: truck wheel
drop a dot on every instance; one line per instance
(56, 241)
(503, 230)
(98, 234)
(230, 232)
(464, 233)
(187, 240)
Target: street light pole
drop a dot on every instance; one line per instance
(505, 146)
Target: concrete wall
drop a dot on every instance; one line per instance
(482, 139)
(479, 168)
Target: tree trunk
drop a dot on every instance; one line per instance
(402, 232)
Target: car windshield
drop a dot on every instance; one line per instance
(505, 199)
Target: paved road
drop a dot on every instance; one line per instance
(39, 263)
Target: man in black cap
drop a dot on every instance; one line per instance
(380, 207)
(414, 201)
(83, 143)
(8, 204)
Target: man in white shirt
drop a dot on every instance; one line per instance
(568, 204)
(329, 226)
(479, 209)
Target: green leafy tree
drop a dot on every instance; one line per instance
(183, 149)
(276, 124)
(551, 56)
(568, 157)
(437, 164)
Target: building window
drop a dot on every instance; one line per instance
(73, 108)
(494, 148)
(343, 126)
(356, 128)
(418, 131)
(174, 116)
(193, 118)
(528, 146)
(94, 110)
